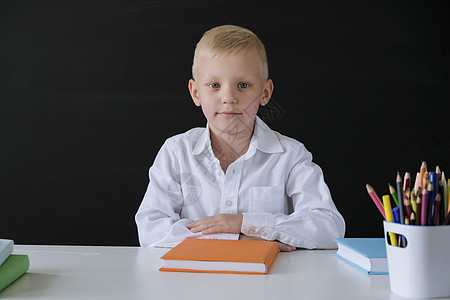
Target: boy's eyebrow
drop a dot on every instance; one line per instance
(245, 77)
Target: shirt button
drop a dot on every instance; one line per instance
(228, 203)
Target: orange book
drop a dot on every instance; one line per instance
(221, 256)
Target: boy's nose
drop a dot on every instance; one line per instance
(229, 96)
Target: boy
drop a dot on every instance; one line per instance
(236, 178)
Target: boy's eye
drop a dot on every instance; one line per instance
(214, 85)
(243, 85)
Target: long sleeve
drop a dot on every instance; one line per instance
(314, 222)
(174, 197)
(158, 220)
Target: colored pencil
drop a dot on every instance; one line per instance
(393, 193)
(445, 194)
(389, 218)
(407, 182)
(437, 206)
(431, 197)
(438, 172)
(423, 170)
(418, 183)
(425, 181)
(448, 197)
(413, 199)
(407, 202)
(441, 204)
(446, 220)
(412, 220)
(400, 197)
(424, 216)
(375, 199)
(395, 214)
(435, 183)
(419, 207)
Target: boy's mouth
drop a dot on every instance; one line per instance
(229, 114)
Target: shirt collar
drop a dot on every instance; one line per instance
(203, 142)
(263, 139)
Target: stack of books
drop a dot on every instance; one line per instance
(12, 266)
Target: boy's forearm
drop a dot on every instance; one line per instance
(303, 229)
(282, 246)
(223, 223)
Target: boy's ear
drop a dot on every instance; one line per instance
(267, 92)
(192, 86)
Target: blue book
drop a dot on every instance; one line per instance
(366, 254)
(6, 248)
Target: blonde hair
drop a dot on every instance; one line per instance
(232, 39)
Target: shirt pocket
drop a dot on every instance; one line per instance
(269, 199)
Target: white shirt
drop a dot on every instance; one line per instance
(275, 185)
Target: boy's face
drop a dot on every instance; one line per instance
(230, 88)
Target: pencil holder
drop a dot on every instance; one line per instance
(421, 269)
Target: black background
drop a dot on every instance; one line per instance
(89, 91)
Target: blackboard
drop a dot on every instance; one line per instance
(89, 91)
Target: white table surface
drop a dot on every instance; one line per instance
(90, 272)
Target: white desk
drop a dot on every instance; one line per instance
(78, 272)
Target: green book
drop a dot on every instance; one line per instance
(14, 267)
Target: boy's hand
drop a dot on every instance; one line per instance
(223, 223)
(282, 246)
